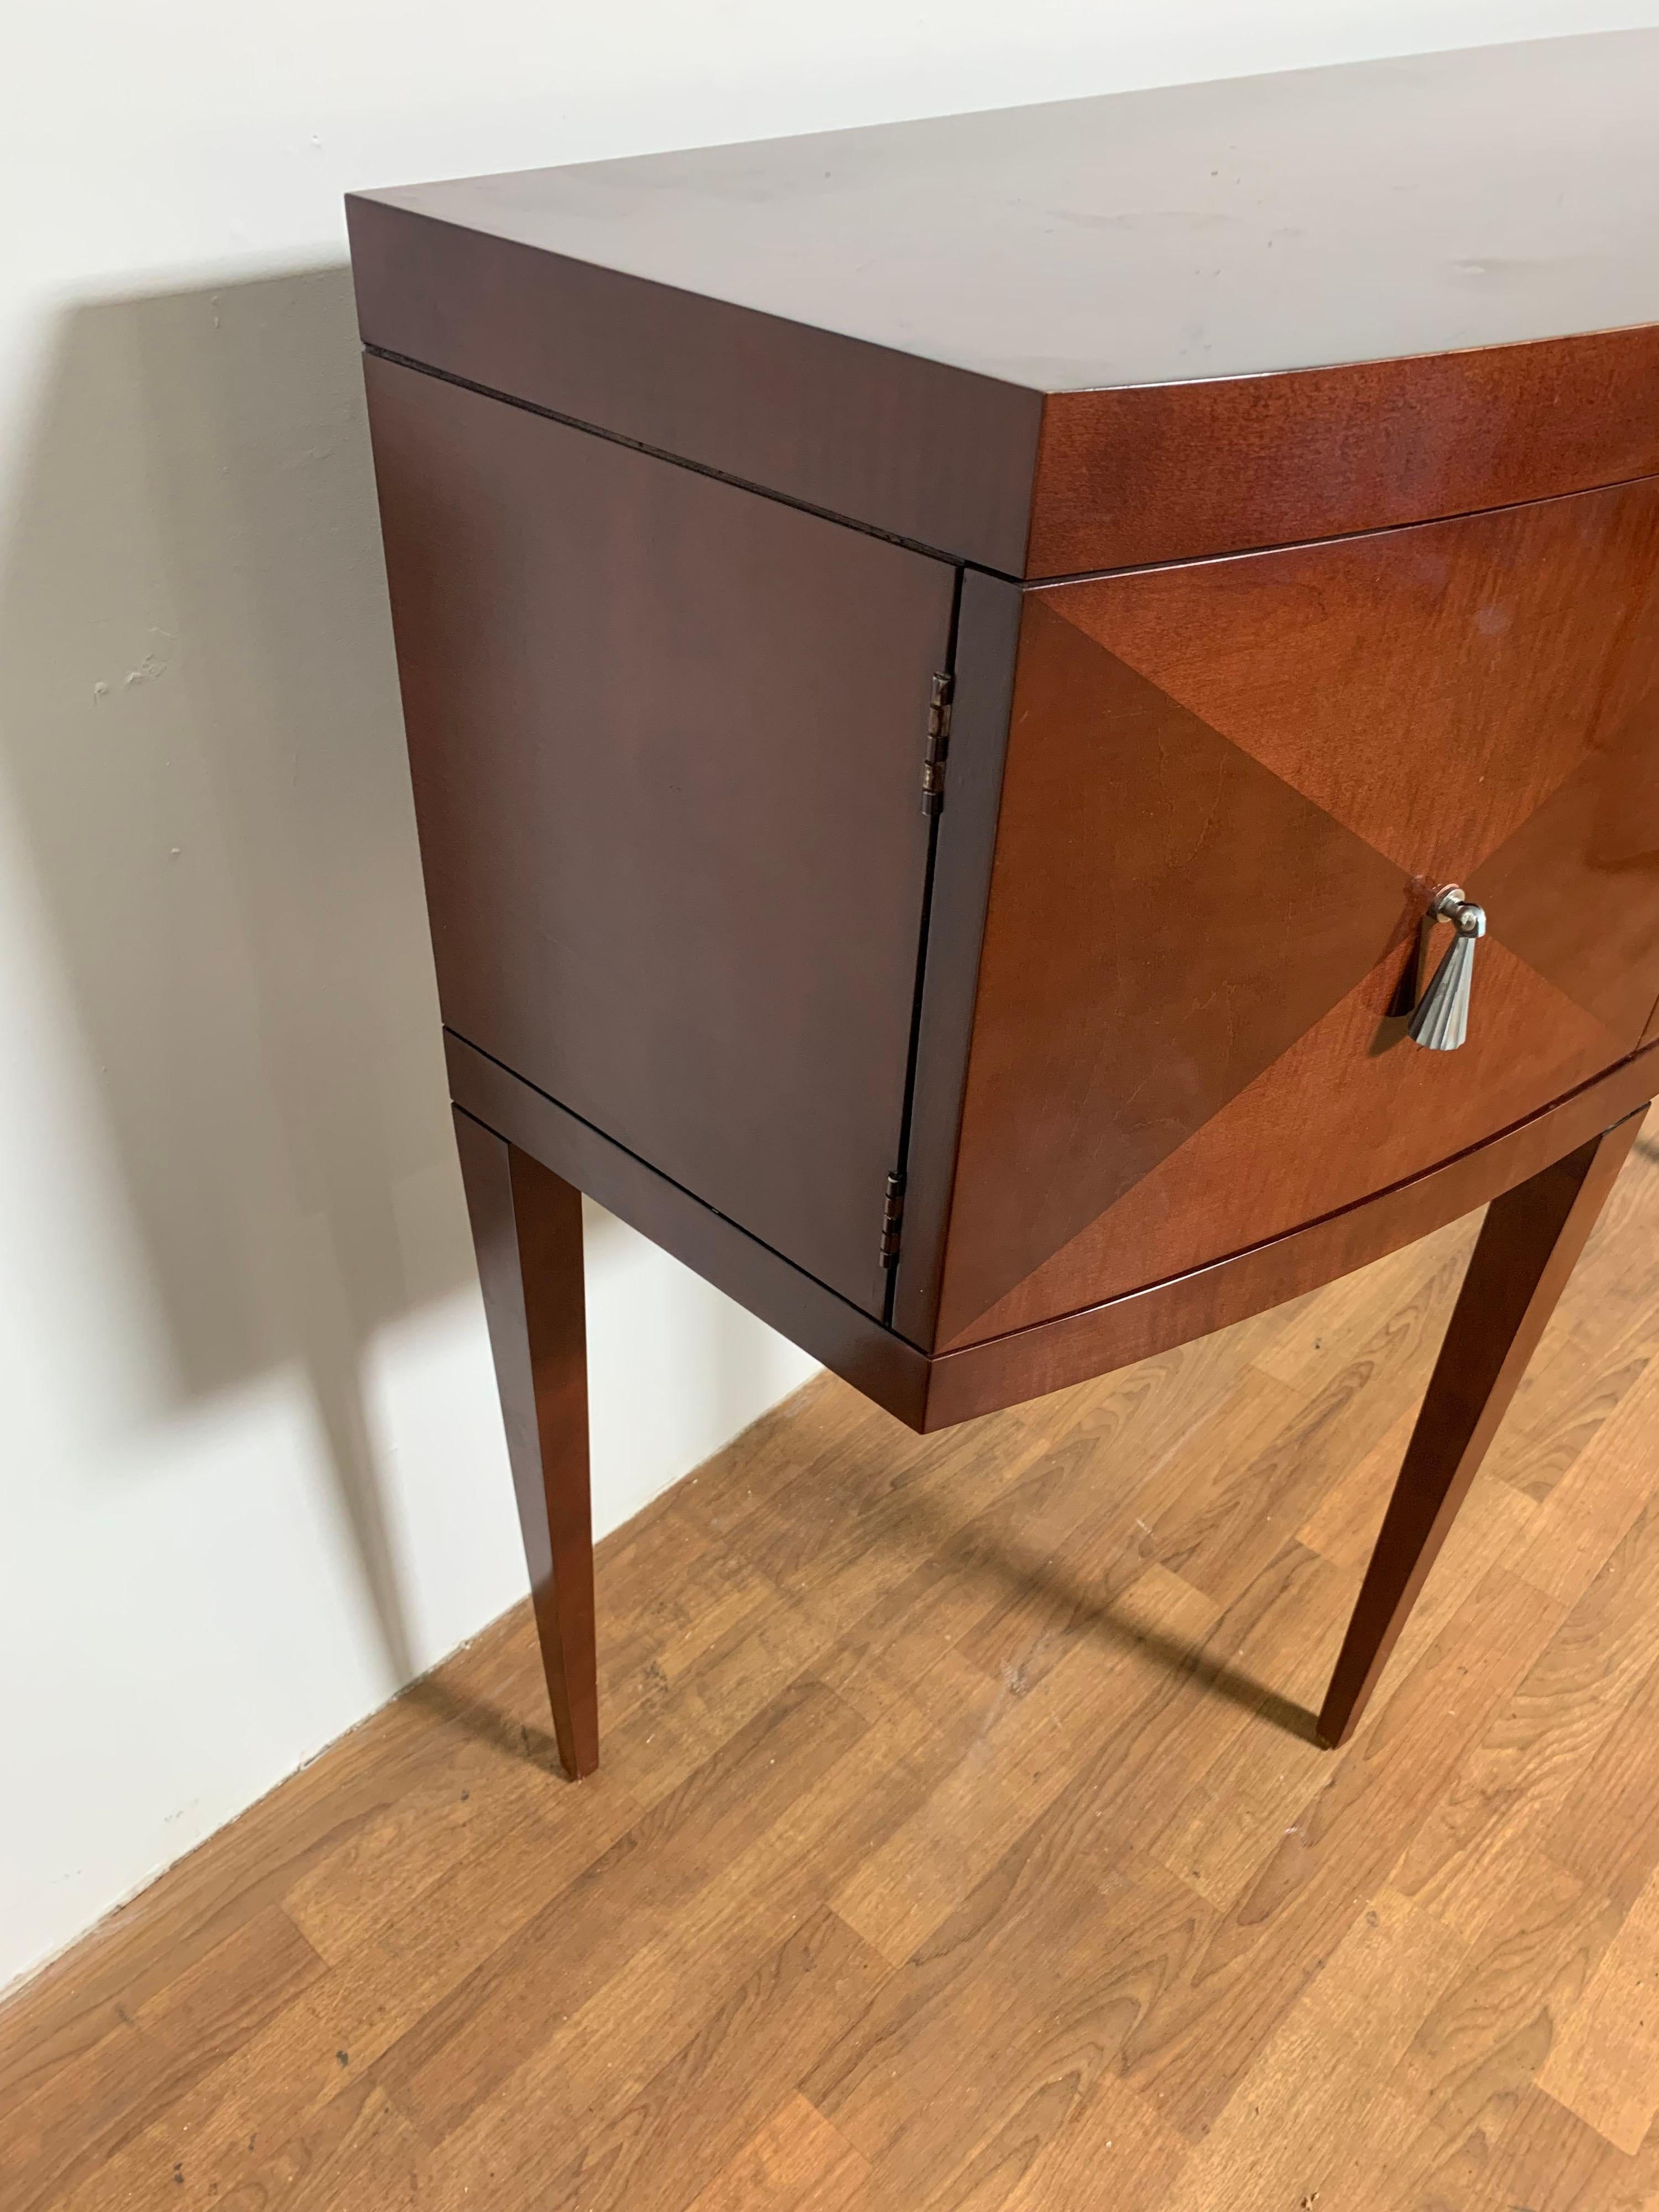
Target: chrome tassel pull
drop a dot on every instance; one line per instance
(1440, 1020)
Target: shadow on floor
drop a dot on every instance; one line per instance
(1077, 1609)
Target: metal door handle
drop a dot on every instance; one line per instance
(1440, 1020)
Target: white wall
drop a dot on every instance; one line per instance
(251, 1469)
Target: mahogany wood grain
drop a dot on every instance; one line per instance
(1231, 788)
(1529, 1245)
(1327, 452)
(527, 1231)
(1054, 1354)
(1021, 337)
(857, 431)
(667, 742)
(1575, 881)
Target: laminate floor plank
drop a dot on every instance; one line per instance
(1195, 2045)
(1604, 2065)
(1575, 1527)
(796, 2163)
(1480, 2044)
(1530, 1758)
(1222, 1827)
(1343, 1525)
(1336, 1420)
(1024, 1757)
(277, 2081)
(1549, 2160)
(696, 2111)
(679, 1977)
(918, 2085)
(1110, 2147)
(960, 1843)
(1607, 1831)
(354, 2151)
(464, 2045)
(1283, 2142)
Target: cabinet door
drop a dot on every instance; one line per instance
(668, 740)
(1231, 789)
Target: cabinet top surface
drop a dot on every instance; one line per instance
(1245, 225)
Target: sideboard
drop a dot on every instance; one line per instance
(1034, 731)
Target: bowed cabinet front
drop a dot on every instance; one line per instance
(1231, 788)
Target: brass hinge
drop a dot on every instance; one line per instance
(892, 1221)
(938, 744)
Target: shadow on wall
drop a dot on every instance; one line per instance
(207, 756)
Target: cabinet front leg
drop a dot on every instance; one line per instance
(527, 1231)
(1529, 1245)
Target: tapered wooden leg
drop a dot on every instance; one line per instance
(527, 1230)
(1529, 1245)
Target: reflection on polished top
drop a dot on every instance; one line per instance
(1481, 197)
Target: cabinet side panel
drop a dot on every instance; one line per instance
(666, 739)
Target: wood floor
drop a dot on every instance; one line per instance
(960, 1842)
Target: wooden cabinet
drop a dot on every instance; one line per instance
(946, 667)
